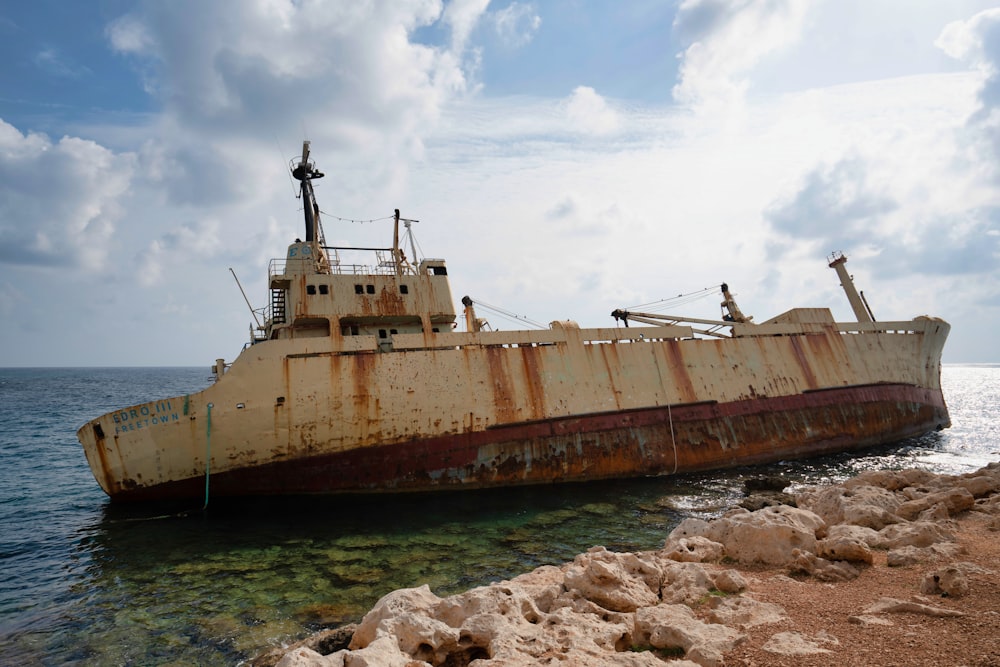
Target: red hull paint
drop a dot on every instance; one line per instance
(649, 441)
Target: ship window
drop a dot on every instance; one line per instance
(439, 271)
(393, 332)
(324, 289)
(370, 289)
(435, 330)
(403, 289)
(310, 289)
(355, 330)
(359, 289)
(381, 333)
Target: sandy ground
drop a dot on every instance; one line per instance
(972, 640)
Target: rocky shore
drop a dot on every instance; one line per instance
(887, 568)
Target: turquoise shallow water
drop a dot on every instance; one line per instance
(87, 583)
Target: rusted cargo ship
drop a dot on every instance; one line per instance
(356, 381)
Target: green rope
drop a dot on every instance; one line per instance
(208, 452)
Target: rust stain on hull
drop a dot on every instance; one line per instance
(600, 446)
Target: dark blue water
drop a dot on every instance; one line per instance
(82, 582)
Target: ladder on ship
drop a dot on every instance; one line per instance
(278, 306)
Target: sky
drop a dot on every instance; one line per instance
(566, 158)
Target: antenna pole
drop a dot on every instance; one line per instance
(244, 296)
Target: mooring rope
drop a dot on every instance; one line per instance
(208, 453)
(673, 442)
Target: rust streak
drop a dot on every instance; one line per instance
(803, 362)
(502, 387)
(678, 372)
(533, 378)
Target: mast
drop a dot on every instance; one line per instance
(395, 245)
(305, 171)
(837, 262)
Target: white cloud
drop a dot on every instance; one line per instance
(588, 112)
(977, 43)
(972, 40)
(58, 201)
(50, 60)
(128, 34)
(463, 16)
(516, 24)
(726, 39)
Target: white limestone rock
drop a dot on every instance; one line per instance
(822, 569)
(955, 499)
(675, 626)
(507, 601)
(744, 612)
(383, 652)
(408, 617)
(914, 533)
(685, 583)
(381, 619)
(728, 581)
(795, 643)
(543, 585)
(951, 580)
(844, 548)
(695, 549)
(619, 582)
(861, 505)
(948, 581)
(981, 485)
(911, 555)
(894, 606)
(869, 620)
(766, 536)
(306, 657)
(891, 480)
(864, 534)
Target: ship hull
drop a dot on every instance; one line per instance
(302, 418)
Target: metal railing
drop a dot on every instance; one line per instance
(277, 267)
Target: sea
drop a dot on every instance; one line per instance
(83, 582)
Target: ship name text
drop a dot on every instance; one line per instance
(144, 416)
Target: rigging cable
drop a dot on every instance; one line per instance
(679, 300)
(337, 217)
(509, 315)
